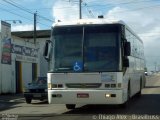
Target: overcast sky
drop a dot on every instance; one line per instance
(143, 16)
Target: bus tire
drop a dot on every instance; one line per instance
(70, 106)
(28, 100)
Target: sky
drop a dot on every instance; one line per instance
(142, 16)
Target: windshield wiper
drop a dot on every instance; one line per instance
(63, 69)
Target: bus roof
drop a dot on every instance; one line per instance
(94, 21)
(88, 21)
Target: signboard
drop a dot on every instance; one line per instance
(26, 51)
(6, 42)
(26, 58)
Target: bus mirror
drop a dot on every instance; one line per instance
(127, 49)
(126, 62)
(47, 49)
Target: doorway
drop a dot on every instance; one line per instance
(18, 71)
(34, 71)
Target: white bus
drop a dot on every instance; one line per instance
(94, 62)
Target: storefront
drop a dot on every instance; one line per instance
(21, 58)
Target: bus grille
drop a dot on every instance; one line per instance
(83, 85)
(37, 90)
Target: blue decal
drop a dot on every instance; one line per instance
(77, 66)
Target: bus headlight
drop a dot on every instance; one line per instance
(49, 86)
(107, 95)
(110, 95)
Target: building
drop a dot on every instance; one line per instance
(21, 58)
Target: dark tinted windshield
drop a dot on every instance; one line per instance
(100, 49)
(86, 48)
(68, 47)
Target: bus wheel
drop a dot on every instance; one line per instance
(70, 106)
(28, 100)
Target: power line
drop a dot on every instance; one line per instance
(45, 18)
(20, 15)
(14, 13)
(14, 4)
(122, 3)
(25, 9)
(87, 5)
(140, 8)
(90, 5)
(150, 35)
(89, 11)
(134, 9)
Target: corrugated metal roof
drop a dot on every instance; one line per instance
(29, 34)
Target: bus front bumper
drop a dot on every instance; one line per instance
(86, 96)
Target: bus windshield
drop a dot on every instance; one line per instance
(91, 48)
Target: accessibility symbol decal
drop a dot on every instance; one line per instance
(77, 66)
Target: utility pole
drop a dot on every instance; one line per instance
(35, 24)
(80, 9)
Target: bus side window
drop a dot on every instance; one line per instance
(127, 49)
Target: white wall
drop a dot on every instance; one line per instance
(26, 73)
(6, 79)
(43, 64)
(23, 42)
(5, 62)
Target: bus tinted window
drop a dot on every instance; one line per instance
(68, 42)
(100, 49)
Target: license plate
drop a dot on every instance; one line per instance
(82, 95)
(37, 95)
